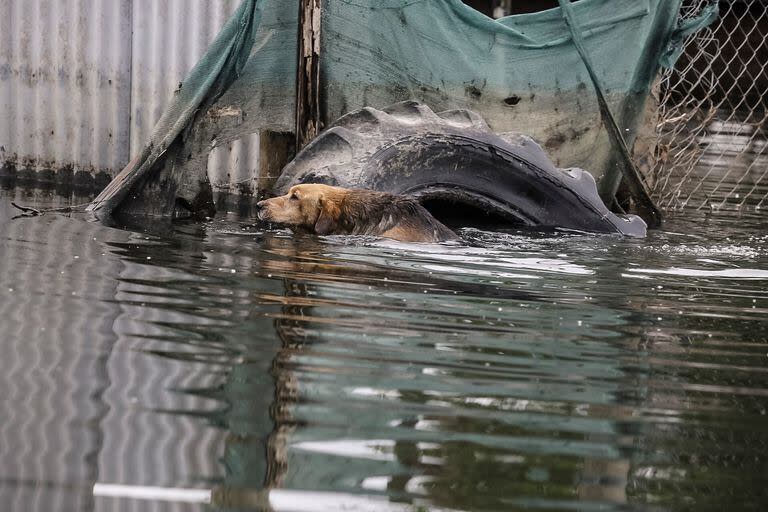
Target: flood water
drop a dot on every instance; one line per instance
(224, 366)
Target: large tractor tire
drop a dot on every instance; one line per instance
(453, 158)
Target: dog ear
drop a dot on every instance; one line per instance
(328, 218)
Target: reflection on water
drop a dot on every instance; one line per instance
(162, 368)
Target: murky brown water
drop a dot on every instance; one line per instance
(158, 369)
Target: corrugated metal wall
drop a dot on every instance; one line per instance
(82, 82)
(65, 84)
(169, 37)
(235, 166)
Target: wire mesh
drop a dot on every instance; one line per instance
(710, 124)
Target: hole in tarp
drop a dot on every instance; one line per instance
(484, 6)
(499, 8)
(530, 6)
(512, 100)
(458, 213)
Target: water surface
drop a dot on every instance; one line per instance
(162, 367)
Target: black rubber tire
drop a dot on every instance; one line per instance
(409, 149)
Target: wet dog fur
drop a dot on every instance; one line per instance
(326, 210)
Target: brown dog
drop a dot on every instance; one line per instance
(327, 210)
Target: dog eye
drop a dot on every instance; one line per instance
(294, 197)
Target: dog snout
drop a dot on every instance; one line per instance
(261, 209)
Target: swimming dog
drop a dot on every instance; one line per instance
(327, 210)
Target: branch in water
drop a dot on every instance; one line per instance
(30, 212)
(34, 212)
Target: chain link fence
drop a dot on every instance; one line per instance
(710, 123)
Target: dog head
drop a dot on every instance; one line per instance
(313, 207)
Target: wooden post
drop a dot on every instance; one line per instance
(308, 75)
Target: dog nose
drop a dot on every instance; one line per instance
(261, 209)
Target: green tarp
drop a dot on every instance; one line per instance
(522, 73)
